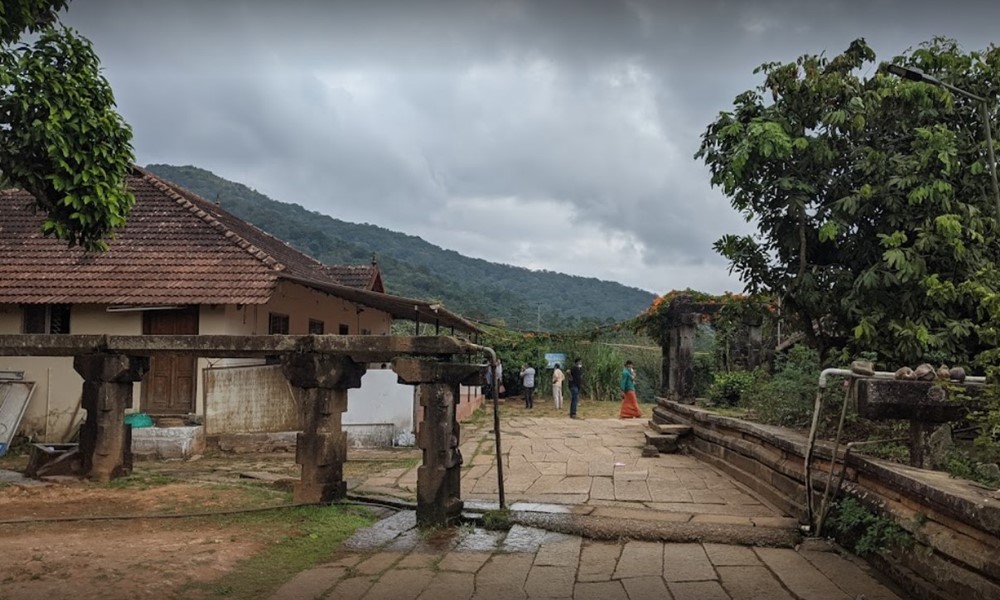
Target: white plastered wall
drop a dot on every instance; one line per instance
(58, 387)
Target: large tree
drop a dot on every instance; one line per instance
(871, 196)
(60, 137)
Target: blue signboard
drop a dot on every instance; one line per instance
(551, 358)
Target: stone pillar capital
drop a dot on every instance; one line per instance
(413, 371)
(111, 368)
(316, 370)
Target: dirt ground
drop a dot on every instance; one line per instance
(169, 558)
(146, 557)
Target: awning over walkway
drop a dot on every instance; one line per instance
(399, 307)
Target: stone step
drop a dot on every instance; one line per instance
(662, 416)
(664, 442)
(669, 428)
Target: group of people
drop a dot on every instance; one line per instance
(630, 403)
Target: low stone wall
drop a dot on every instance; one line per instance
(955, 525)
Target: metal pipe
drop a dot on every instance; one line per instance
(823, 505)
(843, 471)
(496, 417)
(814, 523)
(812, 435)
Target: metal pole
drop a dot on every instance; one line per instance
(984, 111)
(496, 432)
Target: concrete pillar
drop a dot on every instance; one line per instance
(439, 498)
(105, 441)
(319, 385)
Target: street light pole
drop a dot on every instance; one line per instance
(914, 74)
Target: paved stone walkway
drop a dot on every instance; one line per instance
(596, 466)
(591, 469)
(393, 560)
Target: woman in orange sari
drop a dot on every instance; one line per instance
(630, 404)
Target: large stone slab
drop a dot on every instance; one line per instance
(168, 442)
(926, 401)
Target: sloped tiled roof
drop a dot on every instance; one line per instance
(364, 277)
(175, 249)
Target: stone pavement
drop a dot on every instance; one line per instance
(596, 466)
(393, 560)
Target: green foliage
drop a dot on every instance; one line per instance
(497, 520)
(865, 532)
(875, 218)
(60, 137)
(504, 295)
(733, 388)
(602, 360)
(18, 16)
(788, 398)
(704, 373)
(964, 465)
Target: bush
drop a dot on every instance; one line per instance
(704, 373)
(732, 388)
(863, 531)
(789, 396)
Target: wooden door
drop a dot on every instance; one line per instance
(169, 387)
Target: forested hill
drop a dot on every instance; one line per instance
(503, 294)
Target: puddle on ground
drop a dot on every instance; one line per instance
(541, 508)
(480, 540)
(526, 539)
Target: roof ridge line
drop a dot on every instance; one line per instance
(228, 233)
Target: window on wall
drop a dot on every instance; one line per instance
(52, 318)
(344, 329)
(316, 327)
(277, 324)
(366, 332)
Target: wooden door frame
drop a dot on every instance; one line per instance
(146, 383)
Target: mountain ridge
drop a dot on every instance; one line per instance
(494, 292)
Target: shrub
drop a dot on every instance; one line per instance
(704, 373)
(730, 389)
(788, 397)
(863, 531)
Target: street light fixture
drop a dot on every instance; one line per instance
(914, 74)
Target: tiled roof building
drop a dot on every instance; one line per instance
(175, 248)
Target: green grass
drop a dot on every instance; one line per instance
(140, 481)
(297, 539)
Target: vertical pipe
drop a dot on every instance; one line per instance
(496, 429)
(984, 111)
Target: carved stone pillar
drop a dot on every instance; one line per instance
(439, 498)
(320, 383)
(105, 443)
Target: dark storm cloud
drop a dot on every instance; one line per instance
(568, 126)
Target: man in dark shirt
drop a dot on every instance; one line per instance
(575, 385)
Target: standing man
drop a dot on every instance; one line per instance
(557, 381)
(528, 381)
(630, 404)
(575, 385)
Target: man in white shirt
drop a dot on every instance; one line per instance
(528, 381)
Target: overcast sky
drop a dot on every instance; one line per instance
(550, 134)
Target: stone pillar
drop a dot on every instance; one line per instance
(678, 358)
(105, 445)
(439, 498)
(319, 384)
